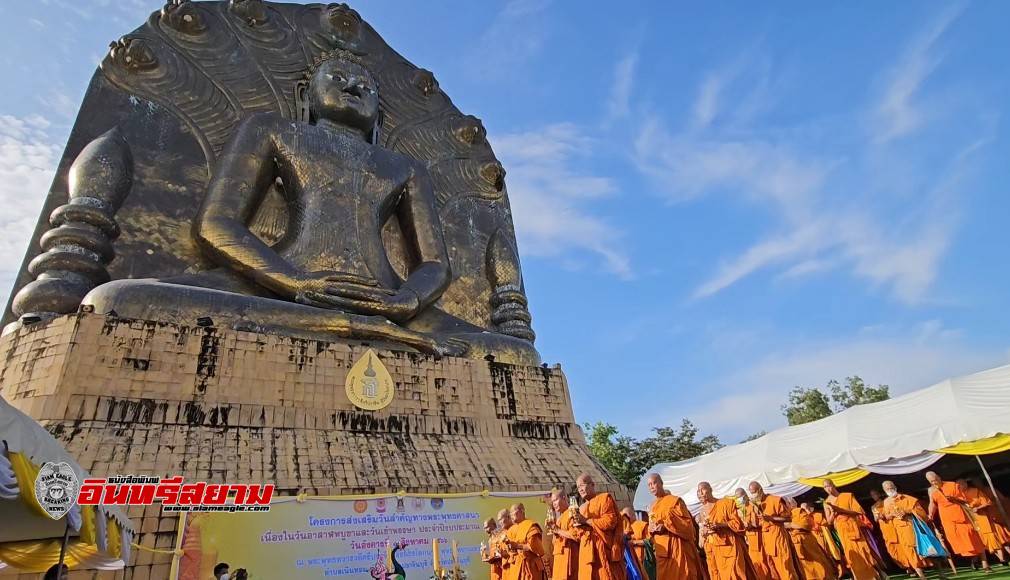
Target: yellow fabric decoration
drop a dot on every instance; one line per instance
(994, 444)
(88, 533)
(841, 478)
(114, 543)
(26, 472)
(40, 555)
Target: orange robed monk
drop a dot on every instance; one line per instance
(899, 509)
(673, 534)
(629, 520)
(498, 554)
(722, 536)
(639, 535)
(487, 553)
(846, 515)
(752, 535)
(565, 565)
(814, 563)
(987, 519)
(525, 541)
(887, 531)
(948, 500)
(600, 532)
(773, 514)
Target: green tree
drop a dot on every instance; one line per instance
(810, 404)
(757, 435)
(856, 392)
(627, 458)
(613, 451)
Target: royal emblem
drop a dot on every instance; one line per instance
(369, 385)
(56, 488)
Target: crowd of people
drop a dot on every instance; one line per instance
(752, 535)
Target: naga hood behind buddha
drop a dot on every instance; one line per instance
(181, 103)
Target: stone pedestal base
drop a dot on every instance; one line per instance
(217, 405)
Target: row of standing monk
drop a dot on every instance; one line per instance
(751, 536)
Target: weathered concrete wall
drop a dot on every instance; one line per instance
(138, 397)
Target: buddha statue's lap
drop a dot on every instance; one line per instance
(342, 190)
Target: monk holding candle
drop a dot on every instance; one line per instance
(565, 564)
(773, 513)
(673, 534)
(752, 535)
(524, 541)
(601, 534)
(722, 536)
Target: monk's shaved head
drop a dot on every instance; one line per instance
(888, 486)
(705, 492)
(504, 519)
(933, 478)
(790, 502)
(518, 513)
(490, 526)
(755, 489)
(586, 486)
(655, 483)
(628, 513)
(829, 486)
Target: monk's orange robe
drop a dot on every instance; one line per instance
(958, 528)
(676, 542)
(775, 539)
(725, 550)
(858, 553)
(993, 533)
(601, 547)
(755, 548)
(815, 563)
(888, 533)
(900, 510)
(565, 565)
(526, 564)
(639, 531)
(499, 556)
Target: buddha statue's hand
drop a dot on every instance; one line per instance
(299, 285)
(397, 305)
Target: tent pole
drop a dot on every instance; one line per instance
(63, 549)
(995, 494)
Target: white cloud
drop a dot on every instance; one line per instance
(551, 197)
(516, 35)
(27, 165)
(619, 102)
(828, 210)
(898, 113)
(751, 397)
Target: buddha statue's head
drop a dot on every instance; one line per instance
(343, 91)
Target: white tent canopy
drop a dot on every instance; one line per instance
(19, 433)
(900, 431)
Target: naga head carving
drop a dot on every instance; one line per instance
(182, 16)
(494, 174)
(344, 25)
(469, 130)
(252, 12)
(133, 54)
(425, 82)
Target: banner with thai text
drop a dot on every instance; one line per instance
(347, 537)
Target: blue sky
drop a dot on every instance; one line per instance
(714, 203)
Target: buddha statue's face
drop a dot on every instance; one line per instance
(344, 92)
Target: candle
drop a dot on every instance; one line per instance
(434, 555)
(389, 557)
(455, 554)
